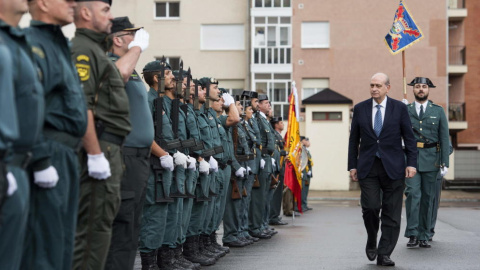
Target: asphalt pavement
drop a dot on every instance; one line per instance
(332, 236)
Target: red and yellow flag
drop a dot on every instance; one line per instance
(293, 145)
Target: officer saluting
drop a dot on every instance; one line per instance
(430, 128)
(108, 124)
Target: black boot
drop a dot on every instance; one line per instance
(148, 261)
(191, 253)
(207, 244)
(213, 239)
(205, 252)
(166, 260)
(182, 261)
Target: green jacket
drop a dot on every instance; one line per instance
(8, 112)
(166, 124)
(102, 83)
(432, 128)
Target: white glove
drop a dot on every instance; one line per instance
(301, 175)
(47, 178)
(273, 162)
(249, 170)
(240, 172)
(405, 101)
(98, 167)
(309, 173)
(228, 99)
(204, 167)
(443, 171)
(12, 184)
(262, 163)
(213, 164)
(192, 163)
(141, 39)
(180, 159)
(167, 162)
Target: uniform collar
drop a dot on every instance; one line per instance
(93, 35)
(14, 31)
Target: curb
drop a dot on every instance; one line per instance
(358, 198)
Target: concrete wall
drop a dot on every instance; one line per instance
(181, 37)
(329, 148)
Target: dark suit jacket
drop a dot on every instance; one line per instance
(364, 143)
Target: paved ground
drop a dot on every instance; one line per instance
(332, 236)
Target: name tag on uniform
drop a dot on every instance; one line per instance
(433, 117)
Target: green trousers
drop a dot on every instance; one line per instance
(126, 225)
(154, 217)
(259, 199)
(191, 184)
(53, 214)
(233, 214)
(207, 222)
(175, 210)
(420, 192)
(14, 222)
(276, 202)
(198, 213)
(98, 205)
(436, 204)
(223, 185)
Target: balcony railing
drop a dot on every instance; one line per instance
(456, 55)
(272, 56)
(456, 112)
(456, 4)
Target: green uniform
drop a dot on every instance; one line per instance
(29, 107)
(256, 199)
(107, 99)
(274, 171)
(199, 209)
(136, 154)
(191, 175)
(306, 180)
(276, 202)
(175, 209)
(154, 219)
(253, 164)
(432, 130)
(65, 125)
(234, 210)
(216, 178)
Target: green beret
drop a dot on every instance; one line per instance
(156, 66)
(223, 91)
(176, 73)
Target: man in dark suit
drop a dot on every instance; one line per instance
(377, 159)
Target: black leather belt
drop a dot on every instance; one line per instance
(21, 159)
(64, 138)
(426, 145)
(112, 138)
(133, 151)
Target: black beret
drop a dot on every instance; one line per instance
(422, 80)
(275, 120)
(205, 80)
(156, 66)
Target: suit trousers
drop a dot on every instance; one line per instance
(389, 202)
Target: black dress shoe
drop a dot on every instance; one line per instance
(413, 242)
(384, 260)
(261, 235)
(371, 253)
(424, 244)
(278, 223)
(235, 243)
(254, 239)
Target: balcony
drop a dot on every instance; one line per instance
(456, 60)
(456, 10)
(456, 117)
(271, 59)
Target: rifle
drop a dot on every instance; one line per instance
(233, 179)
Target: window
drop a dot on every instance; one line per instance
(315, 35)
(326, 116)
(234, 87)
(222, 37)
(172, 60)
(312, 86)
(271, 40)
(167, 10)
(271, 3)
(278, 87)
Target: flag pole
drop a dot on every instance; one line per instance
(404, 76)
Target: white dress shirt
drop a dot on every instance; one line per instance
(383, 105)
(417, 107)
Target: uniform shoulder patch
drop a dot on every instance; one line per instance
(38, 51)
(83, 67)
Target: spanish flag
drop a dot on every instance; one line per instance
(293, 145)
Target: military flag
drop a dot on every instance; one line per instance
(403, 34)
(293, 145)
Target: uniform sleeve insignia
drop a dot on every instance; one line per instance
(83, 71)
(38, 51)
(83, 57)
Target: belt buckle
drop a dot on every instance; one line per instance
(25, 162)
(420, 144)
